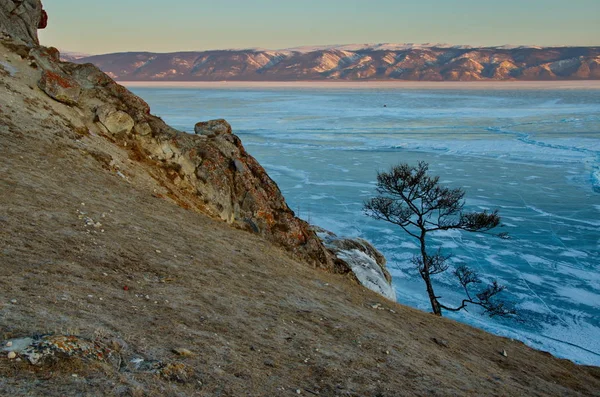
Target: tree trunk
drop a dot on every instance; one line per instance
(435, 305)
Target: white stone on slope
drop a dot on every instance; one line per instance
(368, 272)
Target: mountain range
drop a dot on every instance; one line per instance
(355, 62)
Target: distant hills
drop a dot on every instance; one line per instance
(412, 62)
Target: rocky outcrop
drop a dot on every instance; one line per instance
(62, 88)
(116, 122)
(20, 19)
(209, 172)
(366, 262)
(231, 184)
(212, 128)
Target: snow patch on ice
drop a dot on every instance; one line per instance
(535, 260)
(571, 253)
(579, 296)
(533, 306)
(408, 245)
(532, 278)
(449, 244)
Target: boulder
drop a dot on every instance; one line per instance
(116, 122)
(50, 52)
(60, 87)
(143, 129)
(47, 58)
(21, 19)
(212, 128)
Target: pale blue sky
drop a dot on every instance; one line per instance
(185, 25)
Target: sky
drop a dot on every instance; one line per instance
(98, 27)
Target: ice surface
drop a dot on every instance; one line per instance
(535, 155)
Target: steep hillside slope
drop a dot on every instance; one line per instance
(95, 248)
(357, 63)
(117, 280)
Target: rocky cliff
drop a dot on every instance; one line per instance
(21, 19)
(357, 63)
(209, 172)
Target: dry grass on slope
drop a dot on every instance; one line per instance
(75, 230)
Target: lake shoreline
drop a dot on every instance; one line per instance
(402, 85)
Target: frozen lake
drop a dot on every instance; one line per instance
(532, 154)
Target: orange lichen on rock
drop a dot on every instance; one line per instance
(60, 87)
(266, 216)
(61, 81)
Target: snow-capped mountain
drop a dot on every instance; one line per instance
(71, 56)
(384, 61)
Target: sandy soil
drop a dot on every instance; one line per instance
(401, 85)
(76, 229)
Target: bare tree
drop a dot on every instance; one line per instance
(410, 198)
